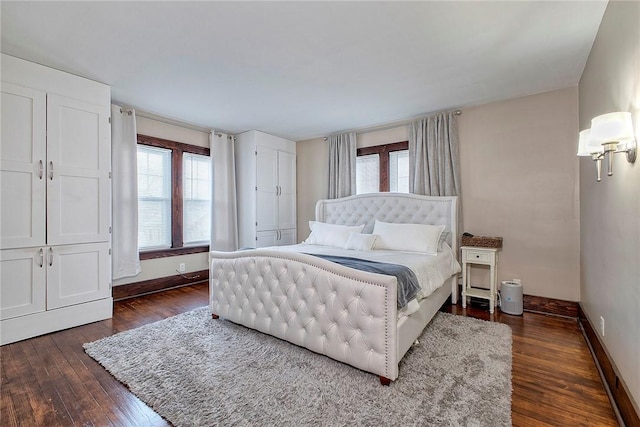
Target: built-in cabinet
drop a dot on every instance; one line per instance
(55, 201)
(266, 188)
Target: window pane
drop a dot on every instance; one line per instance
(154, 197)
(399, 171)
(197, 198)
(367, 174)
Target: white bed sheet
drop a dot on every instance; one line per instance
(431, 271)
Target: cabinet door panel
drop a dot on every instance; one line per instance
(287, 237)
(22, 159)
(22, 282)
(266, 211)
(287, 172)
(267, 192)
(77, 274)
(287, 211)
(287, 198)
(265, 238)
(78, 184)
(266, 170)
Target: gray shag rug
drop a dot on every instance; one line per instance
(196, 371)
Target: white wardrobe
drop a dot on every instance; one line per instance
(55, 201)
(266, 189)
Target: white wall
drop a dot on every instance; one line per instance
(164, 267)
(610, 209)
(519, 181)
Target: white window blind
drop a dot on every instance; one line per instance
(367, 174)
(154, 197)
(196, 199)
(399, 171)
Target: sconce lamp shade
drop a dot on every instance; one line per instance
(609, 134)
(586, 147)
(612, 128)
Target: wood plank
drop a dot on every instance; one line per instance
(62, 379)
(32, 374)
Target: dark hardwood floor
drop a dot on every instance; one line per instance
(49, 380)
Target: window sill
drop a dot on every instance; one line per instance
(165, 253)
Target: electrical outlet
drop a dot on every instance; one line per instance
(182, 267)
(602, 326)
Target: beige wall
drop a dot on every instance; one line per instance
(519, 181)
(312, 180)
(610, 209)
(163, 267)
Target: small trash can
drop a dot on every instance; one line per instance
(511, 297)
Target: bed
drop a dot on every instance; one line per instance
(349, 315)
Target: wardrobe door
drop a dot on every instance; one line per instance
(266, 189)
(287, 190)
(77, 274)
(22, 282)
(22, 160)
(78, 166)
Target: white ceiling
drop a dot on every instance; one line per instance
(307, 69)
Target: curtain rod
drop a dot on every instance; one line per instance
(171, 121)
(393, 125)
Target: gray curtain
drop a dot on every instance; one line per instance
(434, 160)
(342, 165)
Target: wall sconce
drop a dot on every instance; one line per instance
(610, 133)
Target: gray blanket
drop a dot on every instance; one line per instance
(408, 285)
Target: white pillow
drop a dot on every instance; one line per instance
(331, 234)
(361, 242)
(408, 237)
(443, 240)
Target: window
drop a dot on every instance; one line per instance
(383, 168)
(399, 171)
(154, 197)
(196, 198)
(368, 173)
(174, 198)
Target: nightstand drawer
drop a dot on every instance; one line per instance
(479, 256)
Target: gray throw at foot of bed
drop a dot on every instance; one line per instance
(408, 285)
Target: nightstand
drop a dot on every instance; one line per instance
(483, 256)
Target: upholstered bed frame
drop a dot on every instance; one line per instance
(346, 314)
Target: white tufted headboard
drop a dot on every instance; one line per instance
(401, 208)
